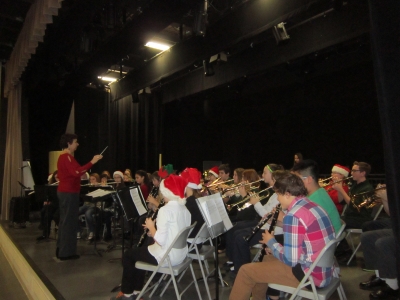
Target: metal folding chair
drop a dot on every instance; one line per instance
(178, 243)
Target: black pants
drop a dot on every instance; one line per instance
(68, 226)
(231, 235)
(132, 278)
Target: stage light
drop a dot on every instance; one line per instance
(110, 79)
(280, 33)
(158, 45)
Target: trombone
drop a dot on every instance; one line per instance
(217, 183)
(235, 186)
(369, 199)
(244, 201)
(325, 184)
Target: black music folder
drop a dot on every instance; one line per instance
(214, 213)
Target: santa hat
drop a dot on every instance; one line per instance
(118, 173)
(214, 171)
(341, 170)
(193, 176)
(173, 188)
(165, 171)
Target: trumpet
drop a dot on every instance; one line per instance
(245, 200)
(369, 199)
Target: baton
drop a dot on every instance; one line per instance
(103, 150)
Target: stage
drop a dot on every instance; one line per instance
(43, 276)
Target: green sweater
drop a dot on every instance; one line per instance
(322, 198)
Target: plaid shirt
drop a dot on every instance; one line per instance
(307, 229)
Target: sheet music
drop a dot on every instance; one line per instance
(222, 212)
(137, 201)
(99, 193)
(214, 211)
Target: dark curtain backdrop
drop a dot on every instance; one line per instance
(331, 118)
(49, 111)
(385, 33)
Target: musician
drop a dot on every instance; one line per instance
(246, 217)
(308, 171)
(224, 172)
(105, 172)
(104, 180)
(241, 247)
(171, 219)
(49, 211)
(381, 223)
(128, 173)
(308, 228)
(119, 180)
(69, 173)
(380, 253)
(192, 192)
(88, 209)
(298, 157)
(234, 195)
(353, 217)
(213, 174)
(142, 179)
(338, 173)
(127, 178)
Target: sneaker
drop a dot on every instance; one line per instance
(78, 235)
(90, 236)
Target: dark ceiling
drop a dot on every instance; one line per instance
(90, 38)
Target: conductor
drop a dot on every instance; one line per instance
(69, 174)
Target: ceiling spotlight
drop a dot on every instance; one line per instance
(110, 79)
(158, 45)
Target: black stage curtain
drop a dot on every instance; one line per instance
(130, 127)
(49, 111)
(385, 33)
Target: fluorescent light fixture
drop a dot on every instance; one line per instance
(110, 79)
(157, 45)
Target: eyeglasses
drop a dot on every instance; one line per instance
(355, 171)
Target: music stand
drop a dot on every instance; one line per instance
(107, 194)
(214, 213)
(133, 205)
(42, 195)
(21, 210)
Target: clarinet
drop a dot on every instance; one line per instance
(258, 227)
(271, 228)
(152, 214)
(153, 217)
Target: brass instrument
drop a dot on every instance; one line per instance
(217, 183)
(369, 199)
(245, 200)
(322, 181)
(235, 186)
(337, 181)
(332, 182)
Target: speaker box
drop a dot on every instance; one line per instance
(19, 210)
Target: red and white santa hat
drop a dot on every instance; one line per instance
(193, 176)
(214, 171)
(173, 188)
(341, 170)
